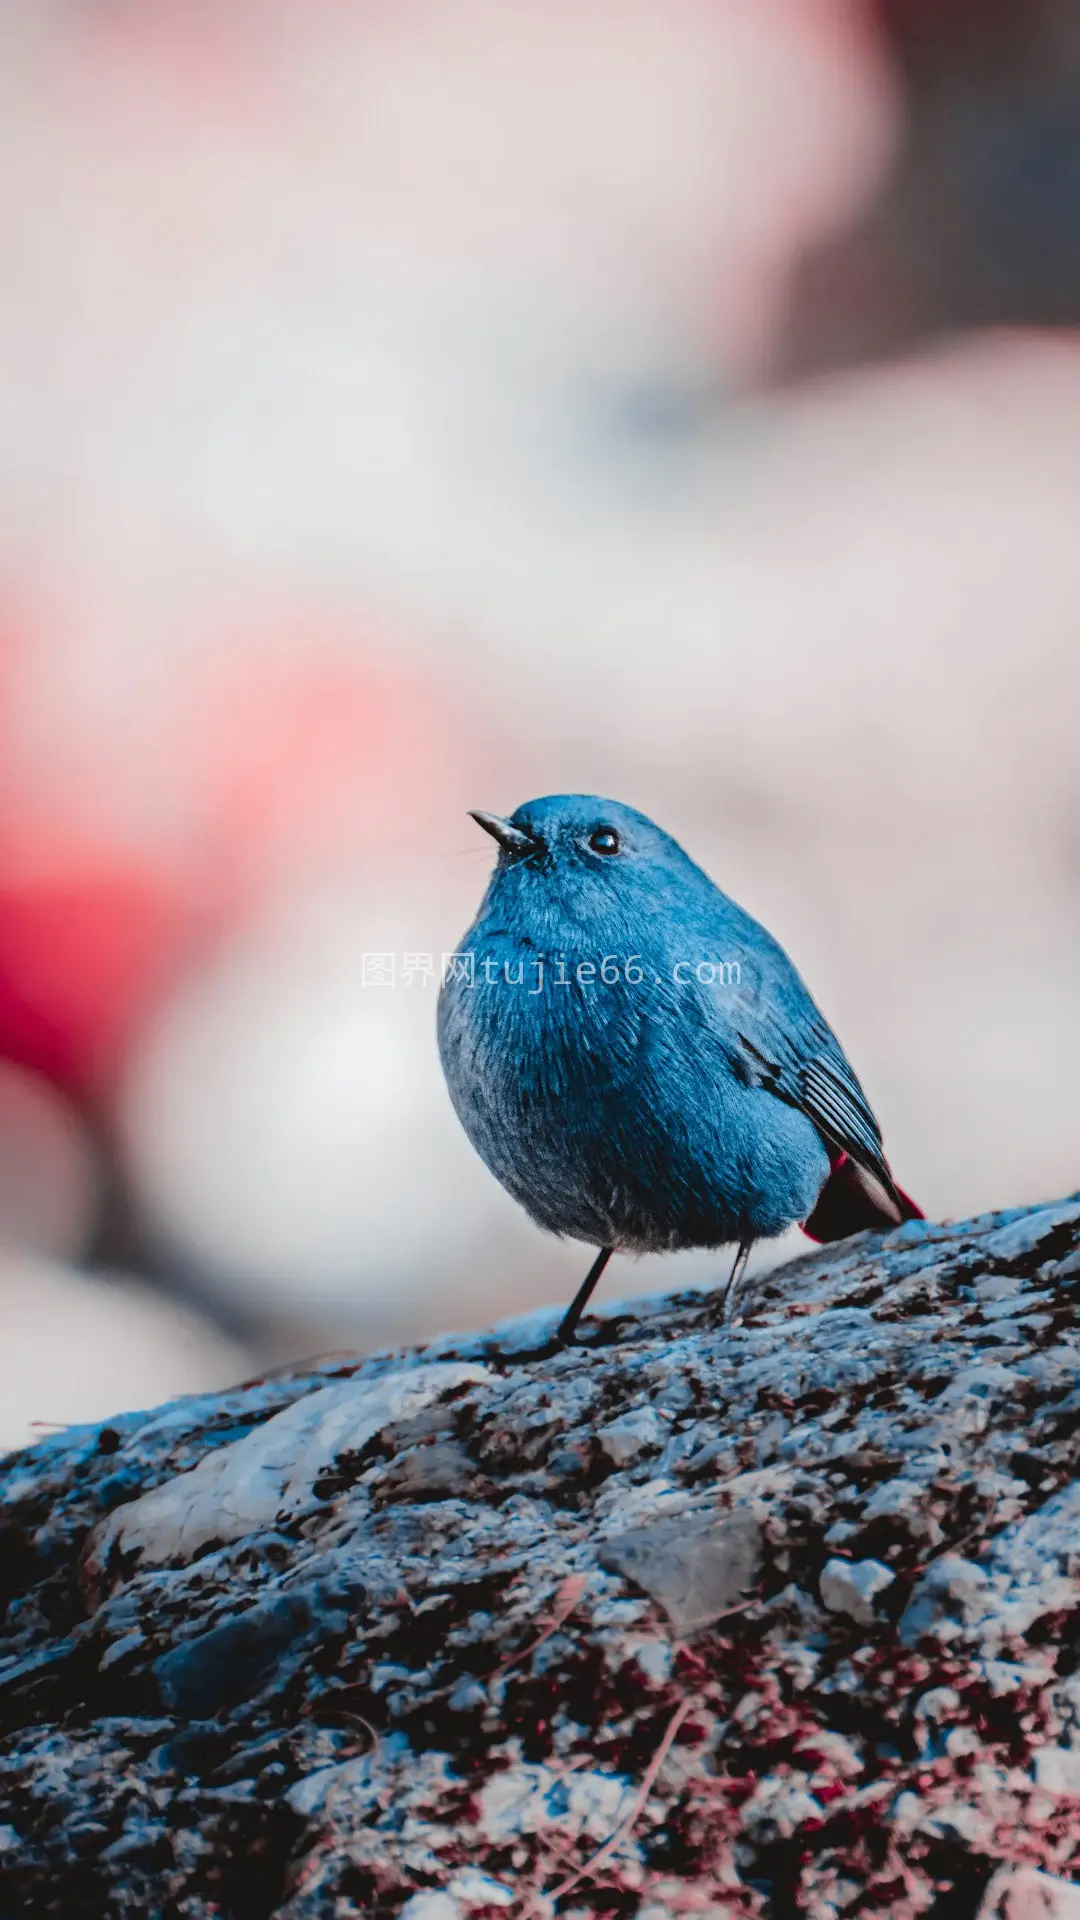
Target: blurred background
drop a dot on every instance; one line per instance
(407, 407)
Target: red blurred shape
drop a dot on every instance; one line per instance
(293, 753)
(80, 961)
(316, 756)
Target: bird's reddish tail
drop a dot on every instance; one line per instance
(845, 1205)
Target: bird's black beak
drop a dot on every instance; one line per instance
(512, 839)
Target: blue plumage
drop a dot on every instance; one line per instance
(633, 1056)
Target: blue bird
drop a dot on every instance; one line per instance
(636, 1059)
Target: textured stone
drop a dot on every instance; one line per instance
(406, 1634)
(695, 1567)
(851, 1586)
(1021, 1893)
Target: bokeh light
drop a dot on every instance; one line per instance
(411, 408)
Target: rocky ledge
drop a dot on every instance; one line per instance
(779, 1618)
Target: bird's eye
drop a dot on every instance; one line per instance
(604, 840)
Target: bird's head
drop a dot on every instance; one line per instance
(588, 859)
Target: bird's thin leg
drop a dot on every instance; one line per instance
(731, 1291)
(568, 1325)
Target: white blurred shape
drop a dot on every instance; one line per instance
(77, 1349)
(288, 1127)
(50, 1176)
(334, 312)
(553, 217)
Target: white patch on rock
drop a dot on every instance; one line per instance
(849, 1586)
(951, 1595)
(902, 1499)
(1031, 1570)
(1057, 1770)
(468, 1696)
(480, 1890)
(938, 1703)
(974, 1393)
(525, 1799)
(840, 1533)
(1022, 1893)
(310, 1793)
(655, 1658)
(997, 1310)
(239, 1488)
(962, 1741)
(1005, 1676)
(778, 1807)
(893, 1496)
(1063, 1269)
(618, 1505)
(430, 1906)
(1021, 1236)
(624, 1439)
(1052, 1532)
(946, 1821)
(999, 1287)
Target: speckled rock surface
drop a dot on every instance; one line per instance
(775, 1619)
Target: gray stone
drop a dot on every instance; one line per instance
(851, 1587)
(694, 1567)
(414, 1628)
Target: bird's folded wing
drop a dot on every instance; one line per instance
(789, 1048)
